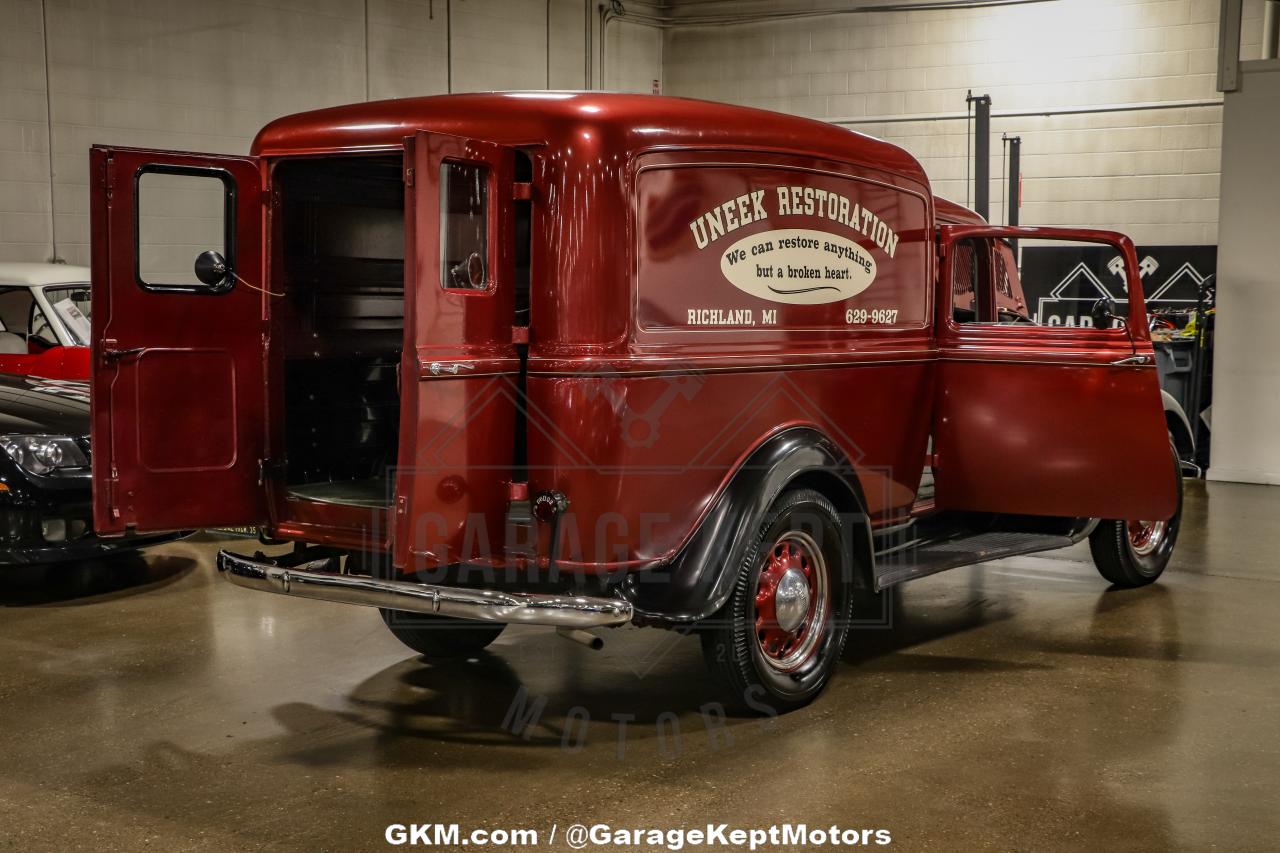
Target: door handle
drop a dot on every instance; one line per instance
(115, 354)
(1134, 361)
(453, 368)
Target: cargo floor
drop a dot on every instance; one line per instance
(374, 492)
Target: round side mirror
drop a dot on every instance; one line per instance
(1103, 312)
(469, 273)
(211, 268)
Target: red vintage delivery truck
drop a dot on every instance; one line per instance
(582, 360)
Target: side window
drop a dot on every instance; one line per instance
(40, 326)
(985, 287)
(180, 213)
(1010, 302)
(69, 311)
(16, 305)
(970, 281)
(1038, 281)
(464, 226)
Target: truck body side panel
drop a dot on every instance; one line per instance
(644, 433)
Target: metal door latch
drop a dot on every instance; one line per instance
(453, 368)
(1133, 360)
(112, 354)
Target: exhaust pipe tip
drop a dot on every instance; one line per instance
(586, 638)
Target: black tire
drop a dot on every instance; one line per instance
(775, 670)
(439, 636)
(1135, 556)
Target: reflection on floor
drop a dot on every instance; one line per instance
(1020, 705)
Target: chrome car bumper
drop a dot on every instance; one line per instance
(305, 581)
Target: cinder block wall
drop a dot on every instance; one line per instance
(204, 76)
(1153, 173)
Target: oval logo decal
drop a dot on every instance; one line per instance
(798, 267)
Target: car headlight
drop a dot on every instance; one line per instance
(44, 454)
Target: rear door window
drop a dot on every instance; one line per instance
(464, 226)
(181, 212)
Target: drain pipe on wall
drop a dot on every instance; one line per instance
(587, 48)
(1271, 29)
(48, 118)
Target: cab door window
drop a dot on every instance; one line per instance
(985, 287)
(971, 281)
(1010, 302)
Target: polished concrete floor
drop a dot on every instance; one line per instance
(1016, 706)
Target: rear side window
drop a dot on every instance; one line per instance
(464, 220)
(181, 212)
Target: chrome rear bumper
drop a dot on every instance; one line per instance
(487, 605)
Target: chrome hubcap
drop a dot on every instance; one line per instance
(791, 601)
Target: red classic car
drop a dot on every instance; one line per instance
(44, 327)
(583, 359)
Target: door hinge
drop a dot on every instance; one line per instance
(408, 177)
(113, 503)
(522, 191)
(269, 469)
(107, 175)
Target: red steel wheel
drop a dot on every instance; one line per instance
(791, 606)
(1145, 537)
(776, 641)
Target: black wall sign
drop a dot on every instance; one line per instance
(1061, 283)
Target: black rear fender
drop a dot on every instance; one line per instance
(700, 579)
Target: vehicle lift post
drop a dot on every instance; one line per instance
(981, 154)
(1014, 180)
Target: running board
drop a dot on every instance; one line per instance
(922, 560)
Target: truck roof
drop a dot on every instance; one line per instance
(954, 213)
(613, 122)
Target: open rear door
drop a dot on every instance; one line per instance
(1046, 420)
(177, 374)
(460, 369)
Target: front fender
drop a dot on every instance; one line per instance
(700, 578)
(1180, 429)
